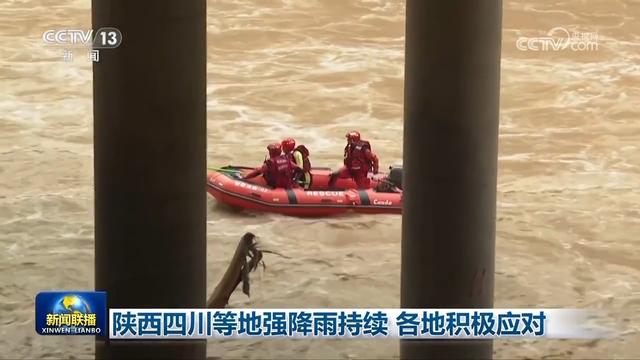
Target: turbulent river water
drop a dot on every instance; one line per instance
(569, 169)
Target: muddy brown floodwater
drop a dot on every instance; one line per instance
(568, 195)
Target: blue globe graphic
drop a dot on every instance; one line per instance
(71, 304)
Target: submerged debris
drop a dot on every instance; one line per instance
(247, 257)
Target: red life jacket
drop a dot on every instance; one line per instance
(279, 172)
(355, 159)
(306, 164)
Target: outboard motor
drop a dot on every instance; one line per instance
(392, 182)
(395, 175)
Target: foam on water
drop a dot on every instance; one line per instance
(569, 164)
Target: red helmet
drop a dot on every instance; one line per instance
(353, 136)
(274, 149)
(288, 144)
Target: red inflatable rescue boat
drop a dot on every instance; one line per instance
(227, 186)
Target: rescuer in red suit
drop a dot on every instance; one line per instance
(300, 156)
(278, 169)
(359, 159)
